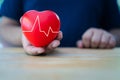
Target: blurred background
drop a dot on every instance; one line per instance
(118, 1)
(1, 1)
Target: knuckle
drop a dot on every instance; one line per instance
(97, 30)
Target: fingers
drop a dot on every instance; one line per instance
(86, 38)
(60, 35)
(53, 45)
(111, 43)
(104, 40)
(80, 44)
(31, 50)
(97, 38)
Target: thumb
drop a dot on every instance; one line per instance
(79, 44)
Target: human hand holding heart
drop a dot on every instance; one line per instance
(40, 31)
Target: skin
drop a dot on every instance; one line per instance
(97, 38)
(92, 38)
(32, 50)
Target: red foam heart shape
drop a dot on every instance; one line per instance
(40, 28)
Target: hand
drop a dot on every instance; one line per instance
(97, 38)
(32, 50)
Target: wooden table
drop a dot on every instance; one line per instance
(62, 64)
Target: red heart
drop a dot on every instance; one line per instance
(40, 28)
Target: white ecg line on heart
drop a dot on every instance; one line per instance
(49, 29)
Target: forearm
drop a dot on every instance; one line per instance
(116, 33)
(11, 34)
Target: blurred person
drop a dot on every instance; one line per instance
(84, 23)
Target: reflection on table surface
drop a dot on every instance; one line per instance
(62, 64)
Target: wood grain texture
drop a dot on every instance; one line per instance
(61, 64)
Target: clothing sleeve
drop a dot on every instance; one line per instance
(111, 16)
(12, 9)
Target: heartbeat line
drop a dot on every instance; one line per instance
(49, 29)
